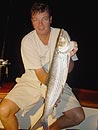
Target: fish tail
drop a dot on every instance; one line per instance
(45, 125)
(39, 124)
(36, 126)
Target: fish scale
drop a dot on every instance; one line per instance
(57, 77)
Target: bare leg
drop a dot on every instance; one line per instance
(7, 114)
(70, 118)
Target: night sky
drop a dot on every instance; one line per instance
(79, 19)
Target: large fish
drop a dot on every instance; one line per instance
(57, 77)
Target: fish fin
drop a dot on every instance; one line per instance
(45, 125)
(36, 126)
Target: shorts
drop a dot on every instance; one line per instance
(26, 94)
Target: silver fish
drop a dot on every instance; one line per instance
(57, 77)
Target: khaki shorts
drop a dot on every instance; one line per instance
(27, 94)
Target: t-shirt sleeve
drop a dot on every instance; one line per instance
(29, 53)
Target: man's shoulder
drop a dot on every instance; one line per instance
(28, 38)
(28, 35)
(55, 29)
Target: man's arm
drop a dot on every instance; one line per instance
(71, 65)
(42, 75)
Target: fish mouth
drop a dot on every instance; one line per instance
(62, 39)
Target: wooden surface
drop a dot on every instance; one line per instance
(87, 98)
(5, 88)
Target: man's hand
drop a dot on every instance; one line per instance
(75, 49)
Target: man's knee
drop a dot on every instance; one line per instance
(3, 111)
(79, 116)
(7, 108)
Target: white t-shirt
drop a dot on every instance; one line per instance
(35, 54)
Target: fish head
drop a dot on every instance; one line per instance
(64, 45)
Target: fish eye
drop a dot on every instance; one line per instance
(61, 41)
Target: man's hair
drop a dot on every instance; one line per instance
(41, 6)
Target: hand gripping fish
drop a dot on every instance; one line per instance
(57, 77)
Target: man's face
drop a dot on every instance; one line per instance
(41, 22)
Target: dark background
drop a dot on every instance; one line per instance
(77, 17)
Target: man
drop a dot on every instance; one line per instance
(37, 49)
